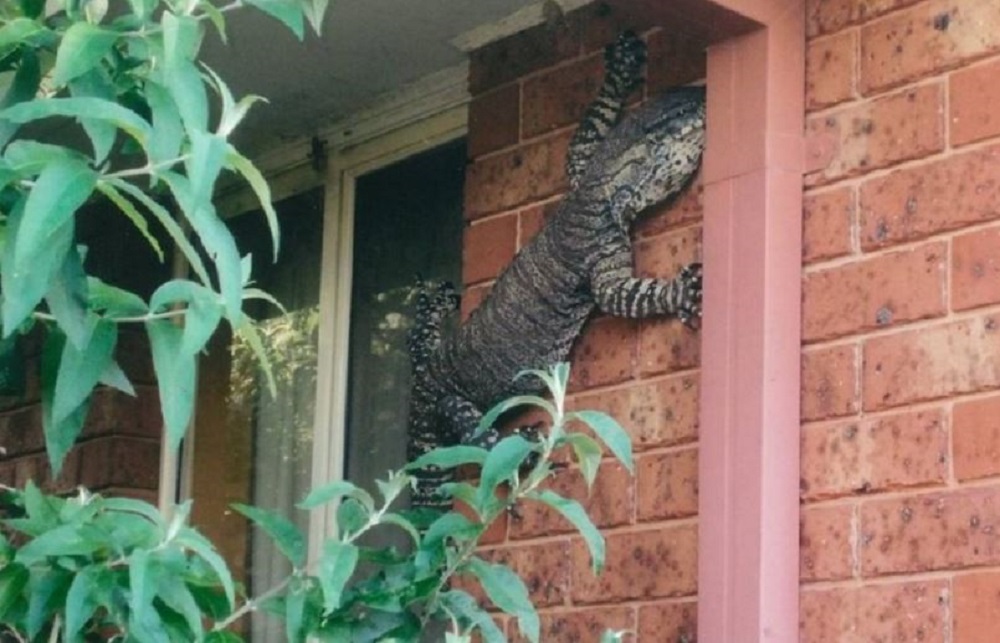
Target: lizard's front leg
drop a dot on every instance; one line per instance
(618, 293)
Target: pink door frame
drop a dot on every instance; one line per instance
(748, 478)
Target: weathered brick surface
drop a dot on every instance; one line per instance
(581, 624)
(544, 568)
(916, 611)
(871, 135)
(919, 533)
(875, 293)
(668, 621)
(673, 59)
(975, 269)
(928, 363)
(829, 381)
(976, 435)
(831, 69)
(974, 101)
(825, 16)
(604, 354)
(518, 55)
(826, 543)
(488, 246)
(510, 179)
(656, 563)
(667, 346)
(934, 197)
(472, 297)
(931, 36)
(828, 219)
(494, 120)
(890, 452)
(667, 485)
(976, 607)
(663, 255)
(655, 414)
(559, 97)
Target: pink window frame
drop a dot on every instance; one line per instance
(748, 538)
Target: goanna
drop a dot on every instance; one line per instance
(581, 260)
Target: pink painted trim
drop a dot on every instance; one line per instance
(749, 450)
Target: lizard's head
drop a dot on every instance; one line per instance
(652, 154)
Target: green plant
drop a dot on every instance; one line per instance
(91, 566)
(130, 80)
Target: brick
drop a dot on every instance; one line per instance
(121, 462)
(829, 382)
(510, 58)
(827, 224)
(559, 97)
(890, 452)
(882, 132)
(496, 533)
(934, 197)
(494, 120)
(655, 414)
(472, 296)
(667, 347)
(572, 626)
(826, 16)
(660, 563)
(930, 363)
(687, 207)
(668, 621)
(915, 611)
(601, 22)
(664, 255)
(826, 543)
(604, 354)
(875, 293)
(667, 485)
(831, 65)
(974, 101)
(115, 413)
(610, 503)
(975, 429)
(975, 269)
(977, 607)
(945, 530)
(21, 431)
(532, 219)
(487, 247)
(926, 39)
(133, 354)
(510, 179)
(673, 59)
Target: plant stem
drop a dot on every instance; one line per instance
(138, 319)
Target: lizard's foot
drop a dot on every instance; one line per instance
(623, 61)
(686, 295)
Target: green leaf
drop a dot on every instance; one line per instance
(17, 31)
(81, 370)
(233, 112)
(191, 539)
(287, 11)
(24, 285)
(133, 506)
(295, 607)
(284, 532)
(132, 214)
(170, 225)
(204, 162)
(223, 636)
(574, 512)
(13, 579)
(46, 595)
(142, 584)
(27, 78)
(464, 606)
(610, 432)
(83, 108)
(314, 11)
(588, 454)
(62, 187)
(449, 457)
(168, 129)
(450, 525)
(95, 84)
(175, 372)
(335, 568)
(334, 491)
(66, 540)
(82, 48)
(404, 524)
(502, 463)
(59, 435)
(260, 188)
(114, 301)
(201, 316)
(30, 157)
(67, 300)
(176, 595)
(81, 601)
(508, 592)
(491, 416)
(351, 516)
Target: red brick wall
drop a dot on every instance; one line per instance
(529, 91)
(119, 449)
(901, 356)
